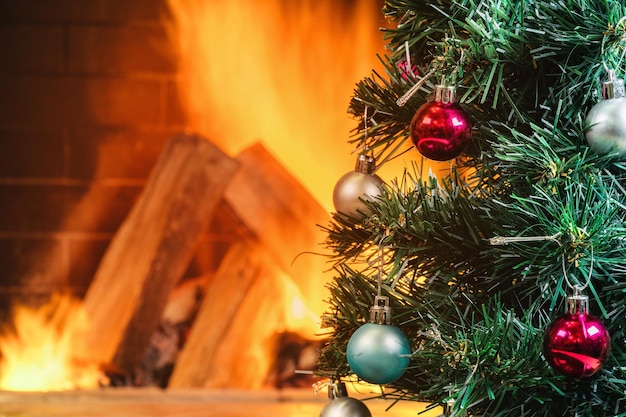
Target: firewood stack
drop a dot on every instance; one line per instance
(219, 330)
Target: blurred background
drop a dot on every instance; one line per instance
(93, 91)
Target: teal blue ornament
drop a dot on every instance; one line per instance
(379, 353)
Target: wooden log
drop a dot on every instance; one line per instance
(152, 249)
(283, 215)
(233, 342)
(223, 297)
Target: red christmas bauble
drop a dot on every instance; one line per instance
(576, 344)
(441, 129)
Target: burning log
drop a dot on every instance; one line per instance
(198, 361)
(233, 342)
(152, 249)
(236, 336)
(171, 333)
(295, 352)
(282, 214)
(257, 285)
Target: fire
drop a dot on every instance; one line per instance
(281, 73)
(40, 351)
(300, 315)
(246, 354)
(274, 71)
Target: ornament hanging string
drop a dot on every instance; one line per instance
(578, 287)
(365, 129)
(363, 148)
(379, 261)
(379, 265)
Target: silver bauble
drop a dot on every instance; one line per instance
(607, 127)
(353, 187)
(345, 407)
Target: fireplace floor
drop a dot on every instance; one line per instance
(141, 402)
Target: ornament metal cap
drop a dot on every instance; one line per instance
(365, 164)
(445, 94)
(613, 88)
(577, 303)
(337, 389)
(380, 312)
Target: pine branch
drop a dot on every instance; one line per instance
(527, 73)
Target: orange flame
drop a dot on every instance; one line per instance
(281, 73)
(41, 351)
(274, 71)
(250, 337)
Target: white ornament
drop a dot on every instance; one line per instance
(607, 120)
(355, 186)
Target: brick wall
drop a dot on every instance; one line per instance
(87, 99)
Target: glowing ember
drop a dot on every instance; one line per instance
(41, 351)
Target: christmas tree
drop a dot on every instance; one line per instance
(495, 286)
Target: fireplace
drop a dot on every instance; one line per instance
(94, 91)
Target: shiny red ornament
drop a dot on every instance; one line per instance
(441, 129)
(576, 344)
